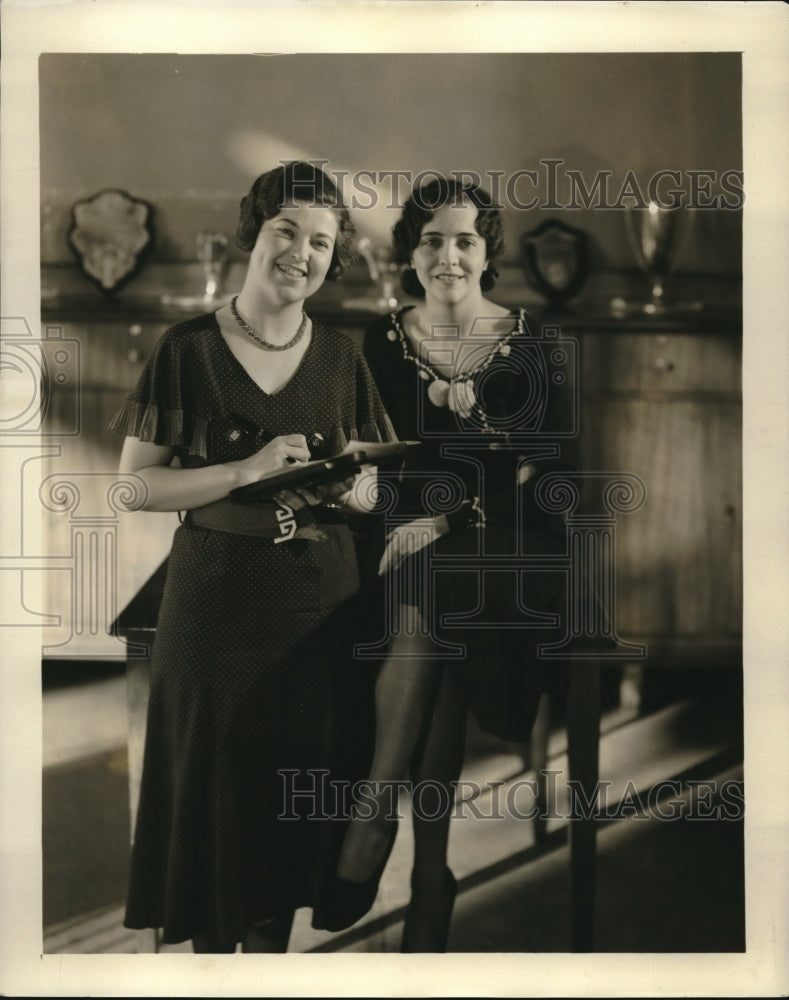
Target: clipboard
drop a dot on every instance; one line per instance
(324, 470)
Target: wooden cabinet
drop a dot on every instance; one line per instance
(659, 399)
(666, 406)
(110, 358)
(98, 555)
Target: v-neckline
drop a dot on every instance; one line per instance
(234, 361)
(415, 354)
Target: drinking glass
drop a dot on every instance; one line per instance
(383, 274)
(657, 235)
(212, 254)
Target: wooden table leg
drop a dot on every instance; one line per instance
(538, 762)
(583, 750)
(137, 689)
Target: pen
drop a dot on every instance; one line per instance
(313, 441)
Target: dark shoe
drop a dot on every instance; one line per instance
(269, 936)
(426, 927)
(353, 899)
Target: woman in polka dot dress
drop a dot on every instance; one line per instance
(249, 700)
(463, 375)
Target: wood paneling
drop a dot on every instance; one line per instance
(112, 356)
(657, 363)
(678, 558)
(661, 403)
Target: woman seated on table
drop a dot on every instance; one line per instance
(455, 370)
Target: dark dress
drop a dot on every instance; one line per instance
(465, 455)
(252, 698)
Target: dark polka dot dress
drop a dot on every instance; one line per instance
(255, 705)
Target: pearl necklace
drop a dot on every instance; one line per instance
(457, 392)
(265, 344)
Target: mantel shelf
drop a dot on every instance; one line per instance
(67, 297)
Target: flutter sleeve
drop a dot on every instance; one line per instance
(164, 407)
(372, 420)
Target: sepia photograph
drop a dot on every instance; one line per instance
(388, 580)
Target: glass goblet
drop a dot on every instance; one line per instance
(657, 235)
(212, 254)
(383, 274)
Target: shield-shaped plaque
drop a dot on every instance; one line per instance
(109, 232)
(556, 259)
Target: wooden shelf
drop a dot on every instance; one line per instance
(67, 296)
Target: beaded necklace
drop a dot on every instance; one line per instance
(456, 392)
(266, 344)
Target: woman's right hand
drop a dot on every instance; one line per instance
(406, 539)
(162, 487)
(277, 454)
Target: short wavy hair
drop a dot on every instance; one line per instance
(420, 208)
(290, 182)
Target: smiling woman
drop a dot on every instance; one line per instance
(455, 372)
(451, 256)
(248, 680)
(290, 259)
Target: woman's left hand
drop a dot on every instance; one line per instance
(313, 496)
(406, 539)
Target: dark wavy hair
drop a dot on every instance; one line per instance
(291, 182)
(420, 208)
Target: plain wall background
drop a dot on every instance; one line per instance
(188, 134)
